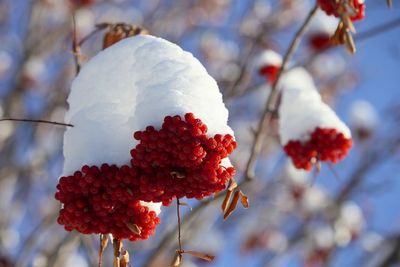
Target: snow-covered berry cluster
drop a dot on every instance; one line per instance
(98, 201)
(179, 160)
(355, 8)
(268, 64)
(310, 130)
(321, 31)
(129, 89)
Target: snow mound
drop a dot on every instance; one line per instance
(302, 110)
(363, 115)
(322, 23)
(267, 58)
(128, 86)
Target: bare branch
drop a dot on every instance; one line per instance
(38, 121)
(270, 106)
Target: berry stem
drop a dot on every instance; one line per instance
(271, 104)
(102, 247)
(178, 214)
(117, 243)
(75, 47)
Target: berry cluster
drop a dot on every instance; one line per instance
(82, 3)
(96, 200)
(179, 160)
(270, 72)
(320, 41)
(332, 7)
(324, 145)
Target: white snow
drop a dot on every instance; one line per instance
(296, 176)
(128, 86)
(315, 199)
(153, 206)
(363, 115)
(267, 58)
(301, 110)
(322, 23)
(323, 237)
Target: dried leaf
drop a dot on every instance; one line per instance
(103, 245)
(338, 37)
(350, 45)
(233, 205)
(178, 175)
(117, 244)
(134, 228)
(348, 23)
(232, 185)
(389, 3)
(177, 260)
(227, 198)
(200, 255)
(244, 200)
(120, 31)
(124, 258)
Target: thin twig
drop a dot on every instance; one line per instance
(99, 28)
(270, 106)
(377, 30)
(75, 46)
(117, 244)
(168, 237)
(38, 121)
(178, 214)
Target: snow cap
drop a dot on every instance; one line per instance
(322, 23)
(302, 110)
(128, 86)
(363, 115)
(268, 58)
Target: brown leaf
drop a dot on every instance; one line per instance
(177, 260)
(200, 255)
(103, 245)
(134, 228)
(124, 258)
(338, 36)
(232, 185)
(389, 3)
(350, 45)
(244, 200)
(348, 23)
(233, 205)
(227, 198)
(120, 31)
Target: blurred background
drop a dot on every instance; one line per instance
(344, 215)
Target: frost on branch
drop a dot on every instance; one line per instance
(310, 131)
(147, 95)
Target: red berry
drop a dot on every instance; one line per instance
(324, 145)
(333, 7)
(184, 164)
(106, 206)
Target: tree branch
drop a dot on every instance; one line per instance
(37, 121)
(270, 106)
